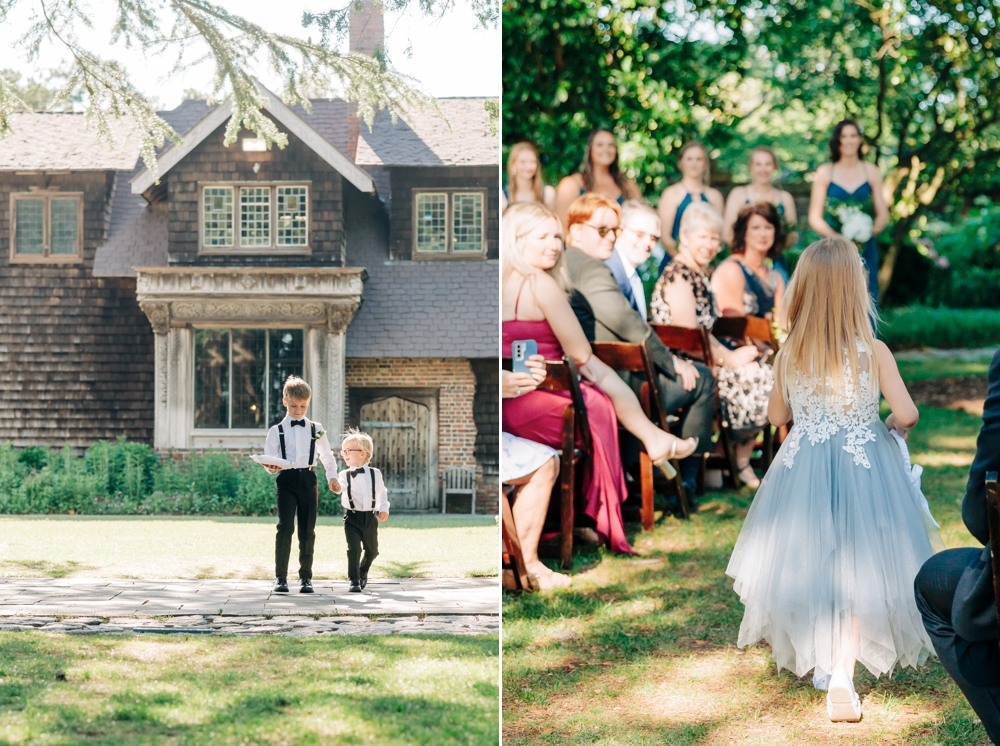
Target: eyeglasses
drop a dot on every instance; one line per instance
(351, 450)
(603, 230)
(643, 236)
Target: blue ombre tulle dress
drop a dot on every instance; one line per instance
(835, 531)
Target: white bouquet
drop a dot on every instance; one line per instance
(855, 224)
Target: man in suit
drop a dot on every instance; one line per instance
(640, 230)
(954, 588)
(606, 314)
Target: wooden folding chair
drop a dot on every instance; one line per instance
(515, 574)
(993, 512)
(758, 331)
(695, 344)
(634, 358)
(561, 375)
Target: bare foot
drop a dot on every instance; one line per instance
(546, 579)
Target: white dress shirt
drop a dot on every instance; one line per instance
(636, 282)
(297, 445)
(360, 481)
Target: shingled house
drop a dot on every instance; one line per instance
(169, 308)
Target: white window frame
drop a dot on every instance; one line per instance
(46, 257)
(449, 252)
(273, 247)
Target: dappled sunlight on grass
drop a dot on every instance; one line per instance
(642, 650)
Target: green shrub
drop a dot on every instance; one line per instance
(918, 326)
(130, 478)
(968, 255)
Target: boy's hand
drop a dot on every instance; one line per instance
(271, 469)
(383, 516)
(334, 485)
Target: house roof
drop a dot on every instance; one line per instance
(64, 142)
(423, 138)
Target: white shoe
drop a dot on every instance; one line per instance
(821, 679)
(842, 703)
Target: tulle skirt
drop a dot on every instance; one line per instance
(828, 541)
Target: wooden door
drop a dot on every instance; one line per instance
(400, 430)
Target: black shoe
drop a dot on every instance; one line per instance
(281, 585)
(307, 586)
(355, 587)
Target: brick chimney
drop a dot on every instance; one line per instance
(367, 36)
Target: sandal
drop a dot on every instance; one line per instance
(842, 703)
(664, 464)
(749, 477)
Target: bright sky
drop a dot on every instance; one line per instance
(450, 57)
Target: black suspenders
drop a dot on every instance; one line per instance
(312, 444)
(350, 497)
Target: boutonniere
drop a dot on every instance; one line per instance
(319, 434)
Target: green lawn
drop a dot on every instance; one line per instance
(222, 547)
(944, 367)
(642, 650)
(121, 690)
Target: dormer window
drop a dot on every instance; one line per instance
(448, 224)
(254, 218)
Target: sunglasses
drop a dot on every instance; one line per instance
(643, 236)
(603, 230)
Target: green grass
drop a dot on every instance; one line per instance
(277, 690)
(915, 327)
(944, 367)
(199, 547)
(642, 650)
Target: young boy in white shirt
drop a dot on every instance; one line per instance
(299, 440)
(366, 503)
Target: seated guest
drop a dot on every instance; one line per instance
(599, 302)
(954, 588)
(533, 469)
(682, 297)
(524, 179)
(599, 173)
(534, 306)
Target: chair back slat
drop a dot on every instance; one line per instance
(627, 356)
(731, 327)
(993, 511)
(694, 342)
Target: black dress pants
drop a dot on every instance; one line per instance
(298, 495)
(970, 664)
(361, 530)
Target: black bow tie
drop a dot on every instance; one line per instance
(358, 471)
(300, 423)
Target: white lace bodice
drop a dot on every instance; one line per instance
(853, 410)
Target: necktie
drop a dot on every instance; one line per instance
(638, 295)
(298, 423)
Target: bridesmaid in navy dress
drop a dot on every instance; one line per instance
(693, 164)
(849, 178)
(598, 173)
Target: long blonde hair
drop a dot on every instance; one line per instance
(537, 183)
(518, 221)
(829, 313)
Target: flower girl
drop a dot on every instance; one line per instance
(826, 559)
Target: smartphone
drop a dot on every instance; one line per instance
(521, 350)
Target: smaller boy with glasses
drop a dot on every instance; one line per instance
(366, 503)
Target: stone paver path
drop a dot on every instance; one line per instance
(249, 626)
(89, 597)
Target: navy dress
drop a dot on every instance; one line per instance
(675, 230)
(869, 253)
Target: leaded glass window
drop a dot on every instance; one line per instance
(293, 224)
(432, 222)
(467, 222)
(46, 227)
(255, 216)
(217, 216)
(239, 375)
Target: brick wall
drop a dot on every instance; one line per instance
(456, 382)
(76, 352)
(212, 162)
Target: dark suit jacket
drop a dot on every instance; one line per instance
(600, 305)
(617, 268)
(973, 610)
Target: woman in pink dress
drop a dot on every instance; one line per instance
(535, 307)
